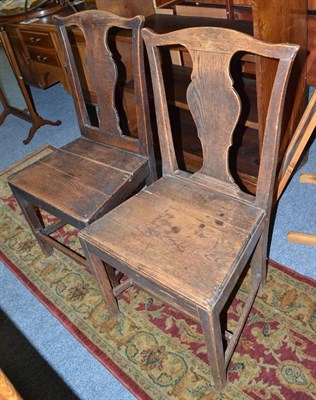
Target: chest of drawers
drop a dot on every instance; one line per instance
(38, 52)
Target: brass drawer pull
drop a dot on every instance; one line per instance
(42, 59)
(35, 40)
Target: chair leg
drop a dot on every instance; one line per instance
(214, 345)
(34, 219)
(100, 273)
(113, 277)
(259, 262)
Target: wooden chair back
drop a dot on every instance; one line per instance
(101, 71)
(215, 105)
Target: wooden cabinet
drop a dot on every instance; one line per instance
(37, 49)
(27, 70)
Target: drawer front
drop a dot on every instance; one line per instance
(31, 38)
(43, 56)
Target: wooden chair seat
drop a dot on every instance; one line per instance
(88, 175)
(188, 238)
(184, 238)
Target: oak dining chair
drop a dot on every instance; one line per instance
(83, 180)
(187, 238)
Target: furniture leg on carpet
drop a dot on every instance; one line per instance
(187, 238)
(30, 114)
(83, 180)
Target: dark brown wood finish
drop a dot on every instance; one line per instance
(88, 177)
(277, 22)
(38, 52)
(274, 21)
(187, 238)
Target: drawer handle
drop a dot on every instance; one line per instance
(42, 59)
(35, 40)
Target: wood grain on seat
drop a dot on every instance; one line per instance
(88, 175)
(83, 180)
(174, 233)
(188, 238)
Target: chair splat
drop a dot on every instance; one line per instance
(207, 98)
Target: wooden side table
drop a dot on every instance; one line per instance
(30, 114)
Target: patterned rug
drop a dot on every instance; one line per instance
(157, 352)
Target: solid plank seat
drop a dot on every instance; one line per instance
(188, 238)
(183, 237)
(89, 175)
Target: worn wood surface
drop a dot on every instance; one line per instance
(277, 22)
(88, 177)
(179, 234)
(101, 66)
(84, 177)
(188, 237)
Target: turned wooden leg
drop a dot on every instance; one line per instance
(34, 219)
(100, 273)
(214, 344)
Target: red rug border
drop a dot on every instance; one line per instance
(116, 371)
(302, 278)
